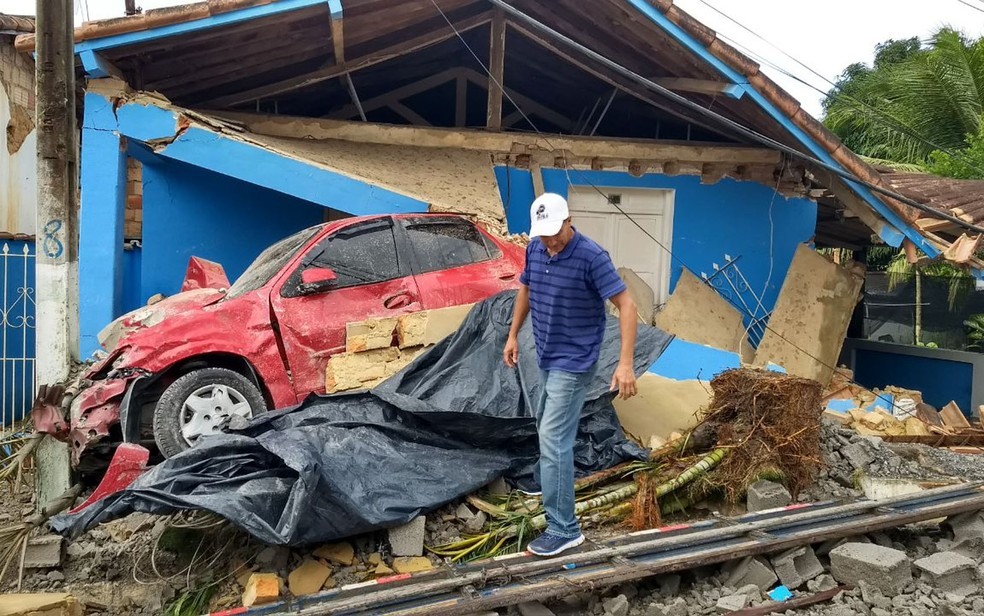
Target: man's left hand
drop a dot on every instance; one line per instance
(624, 381)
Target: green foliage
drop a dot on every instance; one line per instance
(968, 164)
(975, 331)
(192, 602)
(913, 101)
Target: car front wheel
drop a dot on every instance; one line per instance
(199, 404)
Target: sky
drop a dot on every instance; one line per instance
(825, 36)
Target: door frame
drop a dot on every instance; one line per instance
(666, 239)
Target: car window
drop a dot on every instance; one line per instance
(270, 262)
(360, 254)
(446, 244)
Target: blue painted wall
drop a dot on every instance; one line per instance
(709, 221)
(939, 380)
(189, 212)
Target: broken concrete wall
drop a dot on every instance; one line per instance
(674, 390)
(697, 313)
(810, 320)
(18, 150)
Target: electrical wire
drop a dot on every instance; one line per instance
(645, 231)
(894, 122)
(731, 125)
(973, 6)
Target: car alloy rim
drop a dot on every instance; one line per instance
(208, 408)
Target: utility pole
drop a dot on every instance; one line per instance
(57, 223)
(131, 7)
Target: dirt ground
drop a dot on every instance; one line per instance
(145, 565)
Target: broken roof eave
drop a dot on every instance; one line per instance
(894, 230)
(190, 139)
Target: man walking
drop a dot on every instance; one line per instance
(565, 284)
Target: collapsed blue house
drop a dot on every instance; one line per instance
(214, 129)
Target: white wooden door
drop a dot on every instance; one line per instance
(629, 246)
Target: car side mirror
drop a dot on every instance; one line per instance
(317, 280)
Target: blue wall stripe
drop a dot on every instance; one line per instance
(819, 152)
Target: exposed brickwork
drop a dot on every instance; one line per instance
(133, 219)
(17, 80)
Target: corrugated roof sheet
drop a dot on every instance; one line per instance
(16, 23)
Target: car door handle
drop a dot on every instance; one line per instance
(400, 300)
(507, 276)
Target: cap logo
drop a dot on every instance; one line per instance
(541, 213)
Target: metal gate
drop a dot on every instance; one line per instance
(17, 331)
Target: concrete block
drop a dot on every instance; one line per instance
(412, 564)
(884, 569)
(669, 585)
(967, 525)
(949, 572)
(428, 327)
(858, 455)
(261, 588)
(43, 552)
(370, 335)
(797, 566)
(616, 606)
(827, 546)
(408, 540)
(750, 570)
(40, 604)
(308, 578)
(498, 487)
(763, 495)
(731, 603)
(534, 608)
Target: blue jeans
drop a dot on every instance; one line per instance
(558, 412)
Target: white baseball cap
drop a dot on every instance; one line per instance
(547, 215)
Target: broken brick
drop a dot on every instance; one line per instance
(412, 564)
(382, 570)
(261, 588)
(41, 604)
(428, 327)
(308, 578)
(338, 553)
(369, 335)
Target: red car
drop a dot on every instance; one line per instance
(186, 365)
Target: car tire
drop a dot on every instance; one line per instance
(174, 410)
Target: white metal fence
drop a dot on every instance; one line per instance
(17, 331)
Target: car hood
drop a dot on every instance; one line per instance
(152, 316)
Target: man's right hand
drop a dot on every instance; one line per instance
(510, 354)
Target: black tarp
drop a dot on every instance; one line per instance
(336, 466)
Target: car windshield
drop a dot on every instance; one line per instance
(270, 262)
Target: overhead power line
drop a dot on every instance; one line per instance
(887, 118)
(730, 124)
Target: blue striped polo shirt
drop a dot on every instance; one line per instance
(567, 302)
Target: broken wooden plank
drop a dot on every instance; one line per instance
(953, 418)
(792, 604)
(497, 63)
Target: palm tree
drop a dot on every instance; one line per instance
(902, 111)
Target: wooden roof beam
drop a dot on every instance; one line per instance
(497, 63)
(330, 72)
(506, 143)
(634, 91)
(702, 86)
(337, 31)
